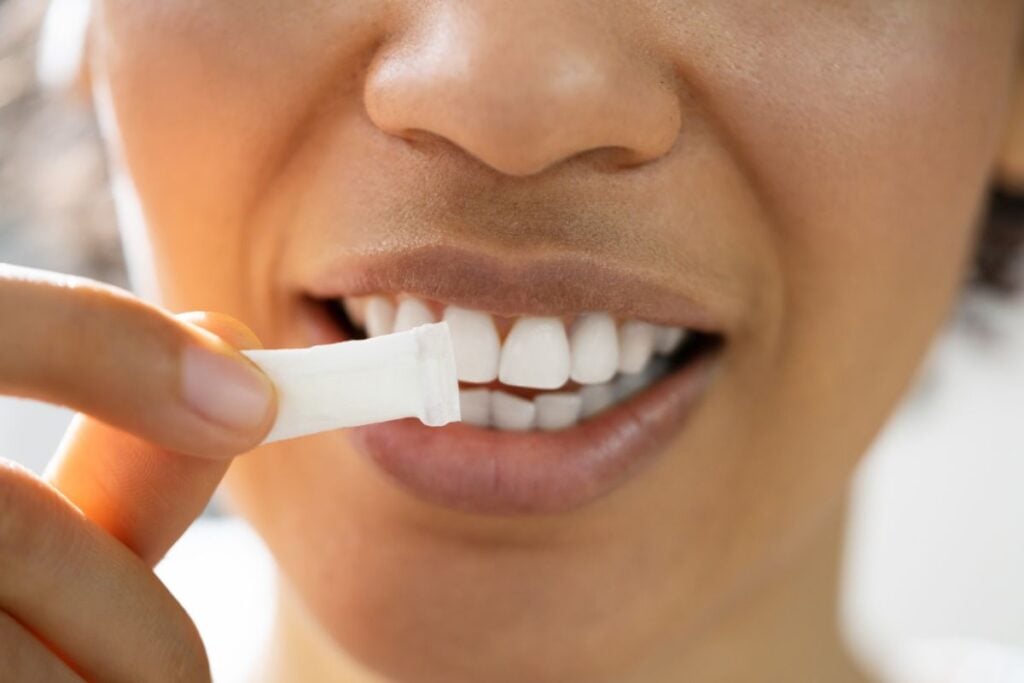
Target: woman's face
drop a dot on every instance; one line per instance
(801, 179)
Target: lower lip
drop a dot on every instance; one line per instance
(488, 471)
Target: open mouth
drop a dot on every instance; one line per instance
(534, 372)
(572, 376)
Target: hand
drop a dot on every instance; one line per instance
(169, 404)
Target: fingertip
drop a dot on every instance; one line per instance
(226, 391)
(231, 330)
(216, 384)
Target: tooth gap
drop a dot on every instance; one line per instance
(348, 326)
(695, 344)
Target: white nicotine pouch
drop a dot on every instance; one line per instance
(320, 388)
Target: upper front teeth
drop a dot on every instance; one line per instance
(636, 344)
(412, 313)
(380, 316)
(595, 349)
(476, 344)
(537, 353)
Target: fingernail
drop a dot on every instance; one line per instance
(223, 390)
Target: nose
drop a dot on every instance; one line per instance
(524, 85)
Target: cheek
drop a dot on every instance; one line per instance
(871, 166)
(205, 111)
(871, 156)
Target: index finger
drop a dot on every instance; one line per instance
(104, 352)
(142, 494)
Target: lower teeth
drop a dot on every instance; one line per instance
(554, 410)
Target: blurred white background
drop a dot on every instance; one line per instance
(936, 543)
(936, 535)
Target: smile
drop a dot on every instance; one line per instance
(558, 407)
(533, 373)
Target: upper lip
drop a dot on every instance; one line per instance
(507, 285)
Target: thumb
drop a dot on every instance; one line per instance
(144, 495)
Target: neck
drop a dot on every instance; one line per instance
(785, 629)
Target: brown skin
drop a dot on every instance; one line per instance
(814, 169)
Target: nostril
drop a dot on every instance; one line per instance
(523, 147)
(419, 137)
(614, 159)
(524, 90)
(439, 148)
